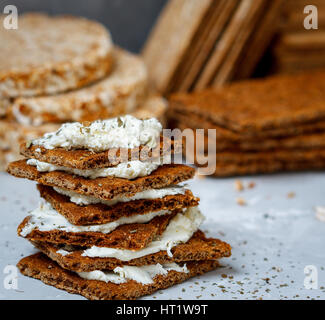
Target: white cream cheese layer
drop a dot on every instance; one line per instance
(127, 170)
(122, 132)
(179, 230)
(143, 274)
(45, 218)
(83, 200)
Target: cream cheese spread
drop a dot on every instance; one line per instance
(143, 274)
(126, 170)
(83, 200)
(45, 218)
(180, 230)
(122, 132)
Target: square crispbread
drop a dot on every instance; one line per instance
(40, 267)
(133, 236)
(104, 188)
(261, 105)
(87, 159)
(198, 248)
(101, 213)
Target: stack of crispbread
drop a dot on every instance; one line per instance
(297, 48)
(112, 225)
(268, 125)
(223, 41)
(66, 69)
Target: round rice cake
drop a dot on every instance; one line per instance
(48, 55)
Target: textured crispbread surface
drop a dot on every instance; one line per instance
(133, 236)
(77, 52)
(86, 159)
(260, 105)
(119, 93)
(40, 267)
(101, 213)
(104, 188)
(198, 248)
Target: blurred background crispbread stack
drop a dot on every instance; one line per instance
(66, 69)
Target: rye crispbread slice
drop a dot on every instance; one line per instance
(121, 92)
(198, 248)
(40, 267)
(133, 236)
(101, 213)
(253, 106)
(87, 159)
(77, 52)
(104, 188)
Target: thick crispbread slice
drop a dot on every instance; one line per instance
(198, 248)
(133, 236)
(77, 52)
(101, 213)
(253, 106)
(40, 267)
(104, 188)
(86, 159)
(121, 92)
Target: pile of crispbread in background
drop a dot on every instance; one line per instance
(111, 226)
(262, 126)
(61, 69)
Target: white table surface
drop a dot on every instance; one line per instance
(273, 238)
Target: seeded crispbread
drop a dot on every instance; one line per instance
(121, 92)
(77, 52)
(261, 105)
(101, 213)
(86, 159)
(40, 267)
(104, 188)
(133, 236)
(198, 248)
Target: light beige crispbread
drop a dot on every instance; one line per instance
(40, 267)
(55, 54)
(101, 213)
(104, 188)
(13, 134)
(119, 93)
(133, 236)
(198, 248)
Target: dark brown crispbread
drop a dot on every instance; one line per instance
(260, 105)
(101, 213)
(129, 236)
(40, 267)
(197, 248)
(104, 188)
(86, 159)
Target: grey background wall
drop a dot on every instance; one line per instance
(128, 20)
